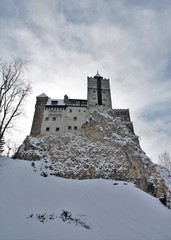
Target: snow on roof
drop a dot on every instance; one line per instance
(57, 102)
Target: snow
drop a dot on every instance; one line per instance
(165, 174)
(112, 210)
(73, 154)
(60, 102)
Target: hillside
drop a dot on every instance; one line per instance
(106, 148)
(100, 209)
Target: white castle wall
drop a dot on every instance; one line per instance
(58, 120)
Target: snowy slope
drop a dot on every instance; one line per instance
(112, 210)
(104, 148)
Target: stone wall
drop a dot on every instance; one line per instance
(93, 95)
(60, 120)
(38, 115)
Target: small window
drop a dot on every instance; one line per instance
(70, 110)
(75, 128)
(57, 129)
(69, 127)
(79, 110)
(54, 102)
(47, 129)
(46, 118)
(54, 118)
(75, 118)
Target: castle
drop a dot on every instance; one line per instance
(58, 116)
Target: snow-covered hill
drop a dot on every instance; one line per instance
(31, 208)
(105, 148)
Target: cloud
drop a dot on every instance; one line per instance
(127, 41)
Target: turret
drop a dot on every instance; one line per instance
(38, 114)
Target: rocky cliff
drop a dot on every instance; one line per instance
(105, 148)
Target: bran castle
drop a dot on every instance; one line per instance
(58, 116)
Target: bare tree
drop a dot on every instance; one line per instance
(165, 160)
(13, 90)
(1, 145)
(11, 147)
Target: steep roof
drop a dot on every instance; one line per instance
(97, 74)
(42, 95)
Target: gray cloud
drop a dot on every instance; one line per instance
(127, 41)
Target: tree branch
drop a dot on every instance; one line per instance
(13, 90)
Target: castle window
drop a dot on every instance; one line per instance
(69, 127)
(54, 102)
(57, 129)
(46, 118)
(47, 129)
(75, 118)
(75, 127)
(70, 110)
(54, 118)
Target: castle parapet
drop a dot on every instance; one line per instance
(124, 117)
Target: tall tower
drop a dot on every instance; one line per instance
(98, 93)
(38, 114)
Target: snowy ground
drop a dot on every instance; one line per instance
(101, 209)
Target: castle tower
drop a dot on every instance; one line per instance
(98, 93)
(38, 114)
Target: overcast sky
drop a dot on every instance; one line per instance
(128, 41)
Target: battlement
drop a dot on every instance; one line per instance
(122, 113)
(123, 117)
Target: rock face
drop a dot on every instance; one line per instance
(106, 148)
